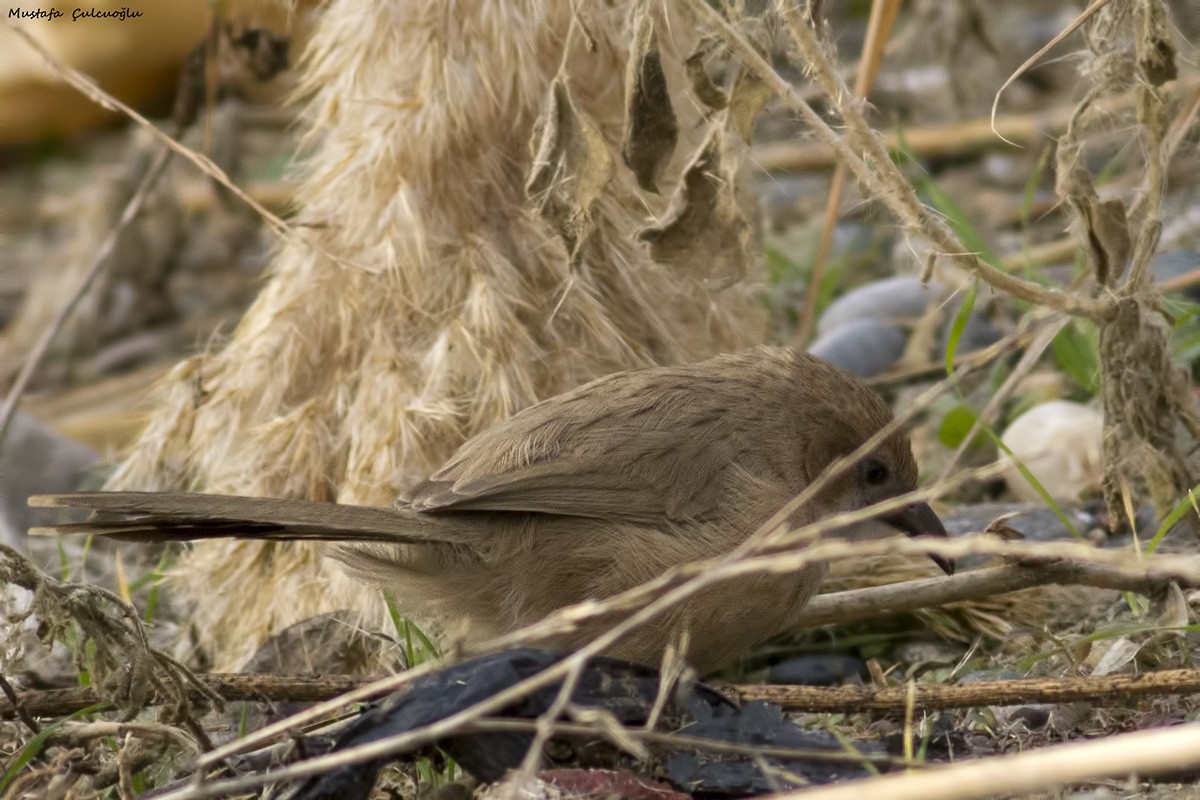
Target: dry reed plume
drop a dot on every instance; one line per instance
(456, 299)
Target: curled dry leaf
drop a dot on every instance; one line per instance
(747, 97)
(651, 131)
(1116, 656)
(706, 233)
(1108, 237)
(1106, 230)
(1154, 50)
(570, 169)
(703, 86)
(1000, 527)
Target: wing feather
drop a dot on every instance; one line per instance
(648, 446)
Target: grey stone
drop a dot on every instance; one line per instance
(36, 459)
(865, 347)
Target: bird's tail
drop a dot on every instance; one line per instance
(179, 516)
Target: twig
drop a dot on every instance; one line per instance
(230, 687)
(17, 708)
(1033, 59)
(837, 607)
(1142, 752)
(879, 27)
(80, 732)
(856, 605)
(125, 769)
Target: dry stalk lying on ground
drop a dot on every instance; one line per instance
(1110, 690)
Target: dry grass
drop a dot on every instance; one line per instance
(454, 300)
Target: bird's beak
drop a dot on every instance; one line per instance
(918, 519)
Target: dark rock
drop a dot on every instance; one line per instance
(762, 725)
(327, 644)
(626, 691)
(817, 670)
(977, 334)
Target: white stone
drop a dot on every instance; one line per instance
(1060, 443)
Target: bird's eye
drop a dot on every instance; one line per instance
(874, 473)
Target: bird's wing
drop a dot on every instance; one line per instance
(646, 447)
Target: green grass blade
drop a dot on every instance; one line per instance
(1177, 513)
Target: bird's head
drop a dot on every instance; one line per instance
(853, 414)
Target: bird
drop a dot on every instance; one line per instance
(593, 492)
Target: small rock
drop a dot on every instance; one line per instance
(928, 652)
(977, 334)
(865, 347)
(36, 459)
(1034, 715)
(1060, 443)
(817, 670)
(899, 299)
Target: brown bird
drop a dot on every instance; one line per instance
(593, 492)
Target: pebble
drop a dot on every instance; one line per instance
(1060, 443)
(36, 459)
(866, 347)
(817, 670)
(898, 299)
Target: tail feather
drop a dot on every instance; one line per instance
(177, 516)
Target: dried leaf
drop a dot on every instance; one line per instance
(650, 127)
(1116, 656)
(747, 97)
(570, 169)
(1173, 611)
(706, 234)
(703, 86)
(1146, 395)
(1108, 237)
(1000, 528)
(1160, 66)
(1107, 230)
